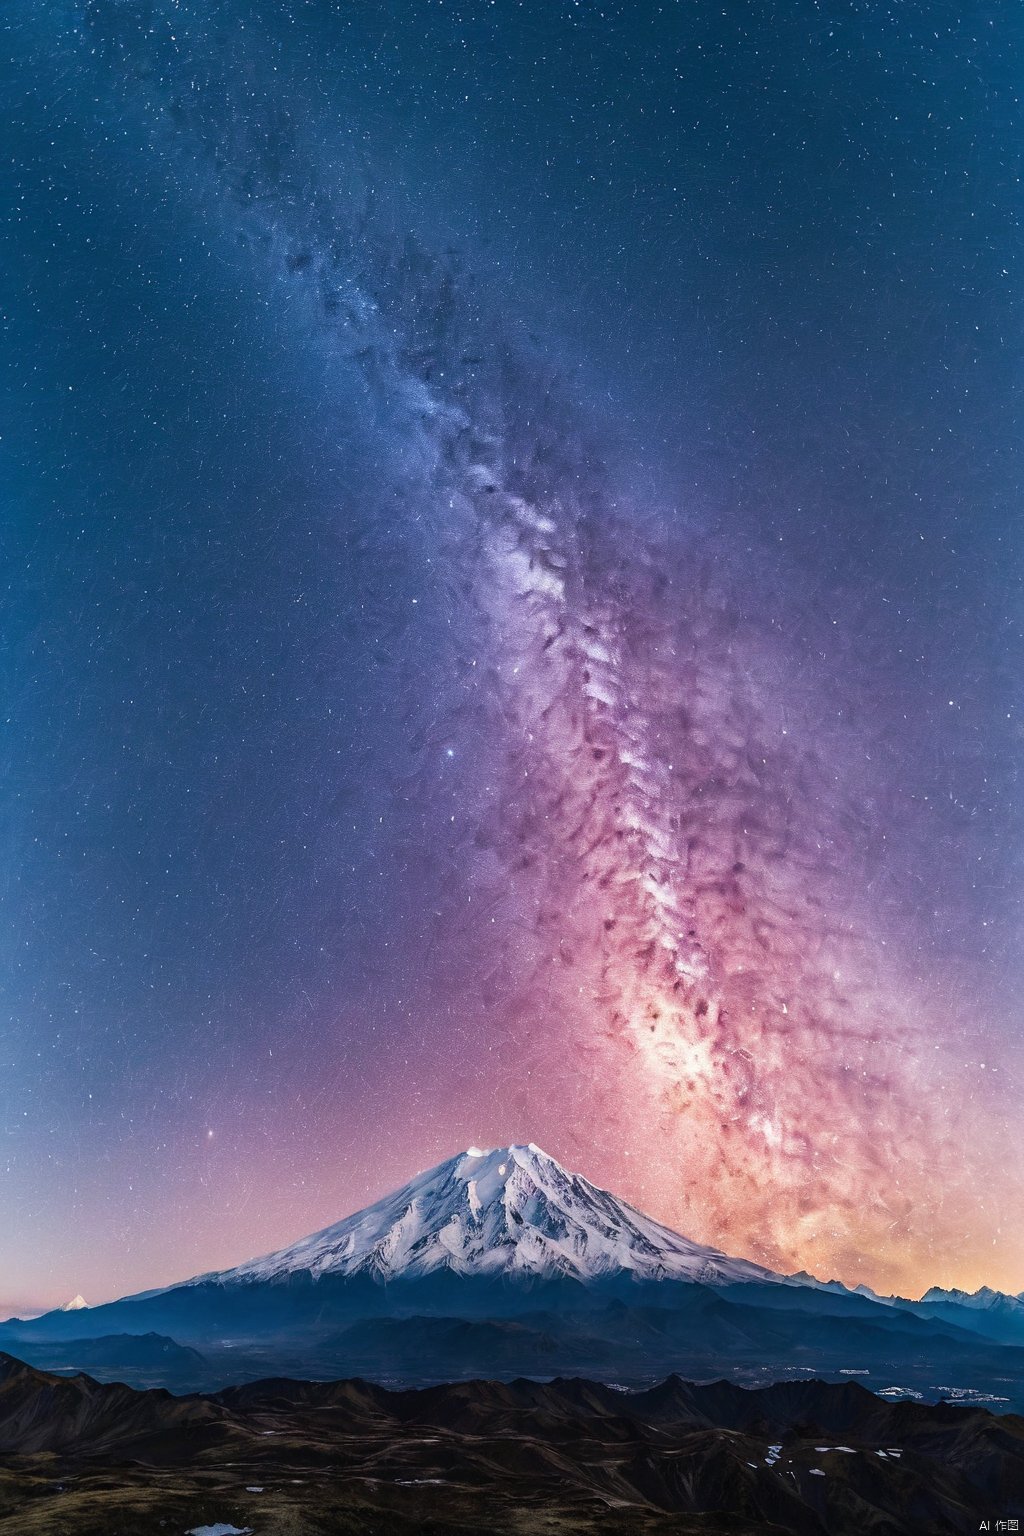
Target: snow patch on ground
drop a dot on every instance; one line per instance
(220, 1530)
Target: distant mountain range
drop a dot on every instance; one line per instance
(503, 1263)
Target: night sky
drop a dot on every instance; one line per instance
(512, 576)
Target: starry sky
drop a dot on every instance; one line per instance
(512, 622)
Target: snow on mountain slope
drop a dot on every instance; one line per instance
(512, 1211)
(76, 1304)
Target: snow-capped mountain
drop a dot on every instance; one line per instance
(983, 1300)
(499, 1264)
(76, 1304)
(508, 1212)
(991, 1312)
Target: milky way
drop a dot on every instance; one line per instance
(640, 850)
(660, 859)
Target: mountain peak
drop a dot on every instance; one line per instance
(76, 1304)
(503, 1211)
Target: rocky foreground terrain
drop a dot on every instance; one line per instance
(293, 1458)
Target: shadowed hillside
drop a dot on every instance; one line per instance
(568, 1458)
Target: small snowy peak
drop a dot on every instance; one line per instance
(76, 1304)
(870, 1295)
(811, 1282)
(836, 1287)
(508, 1211)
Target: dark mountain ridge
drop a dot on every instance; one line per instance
(570, 1456)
